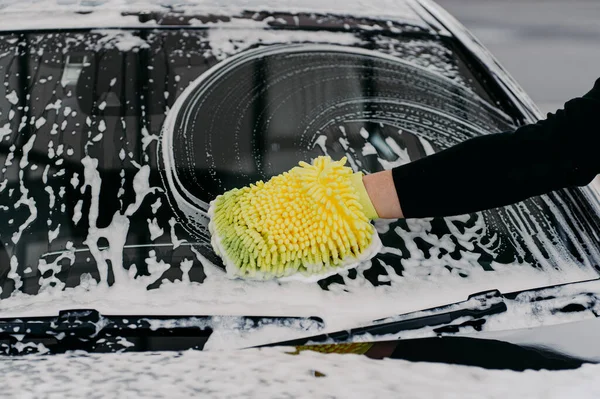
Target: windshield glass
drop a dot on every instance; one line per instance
(102, 211)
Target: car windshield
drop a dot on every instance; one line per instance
(100, 210)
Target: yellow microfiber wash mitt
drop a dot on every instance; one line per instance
(307, 223)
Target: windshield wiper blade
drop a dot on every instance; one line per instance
(80, 323)
(475, 308)
(87, 329)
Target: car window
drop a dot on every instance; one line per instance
(85, 192)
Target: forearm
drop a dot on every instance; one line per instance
(482, 173)
(498, 169)
(468, 177)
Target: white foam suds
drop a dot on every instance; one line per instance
(5, 131)
(156, 205)
(186, 266)
(426, 146)
(10, 156)
(401, 153)
(12, 274)
(52, 234)
(26, 148)
(51, 152)
(273, 373)
(368, 149)
(116, 232)
(223, 42)
(155, 267)
(122, 40)
(51, 196)
(12, 98)
(147, 138)
(155, 230)
(55, 105)
(360, 304)
(141, 186)
(25, 199)
(75, 180)
(321, 142)
(174, 240)
(77, 212)
(45, 174)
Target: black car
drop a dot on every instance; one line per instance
(114, 140)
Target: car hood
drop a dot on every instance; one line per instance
(273, 374)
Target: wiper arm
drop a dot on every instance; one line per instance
(474, 308)
(88, 330)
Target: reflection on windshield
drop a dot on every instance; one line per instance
(90, 199)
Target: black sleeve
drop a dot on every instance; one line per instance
(501, 169)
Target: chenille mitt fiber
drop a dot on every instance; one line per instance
(307, 223)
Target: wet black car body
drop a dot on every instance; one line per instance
(115, 140)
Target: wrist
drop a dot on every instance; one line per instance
(363, 196)
(382, 193)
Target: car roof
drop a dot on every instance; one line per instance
(19, 16)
